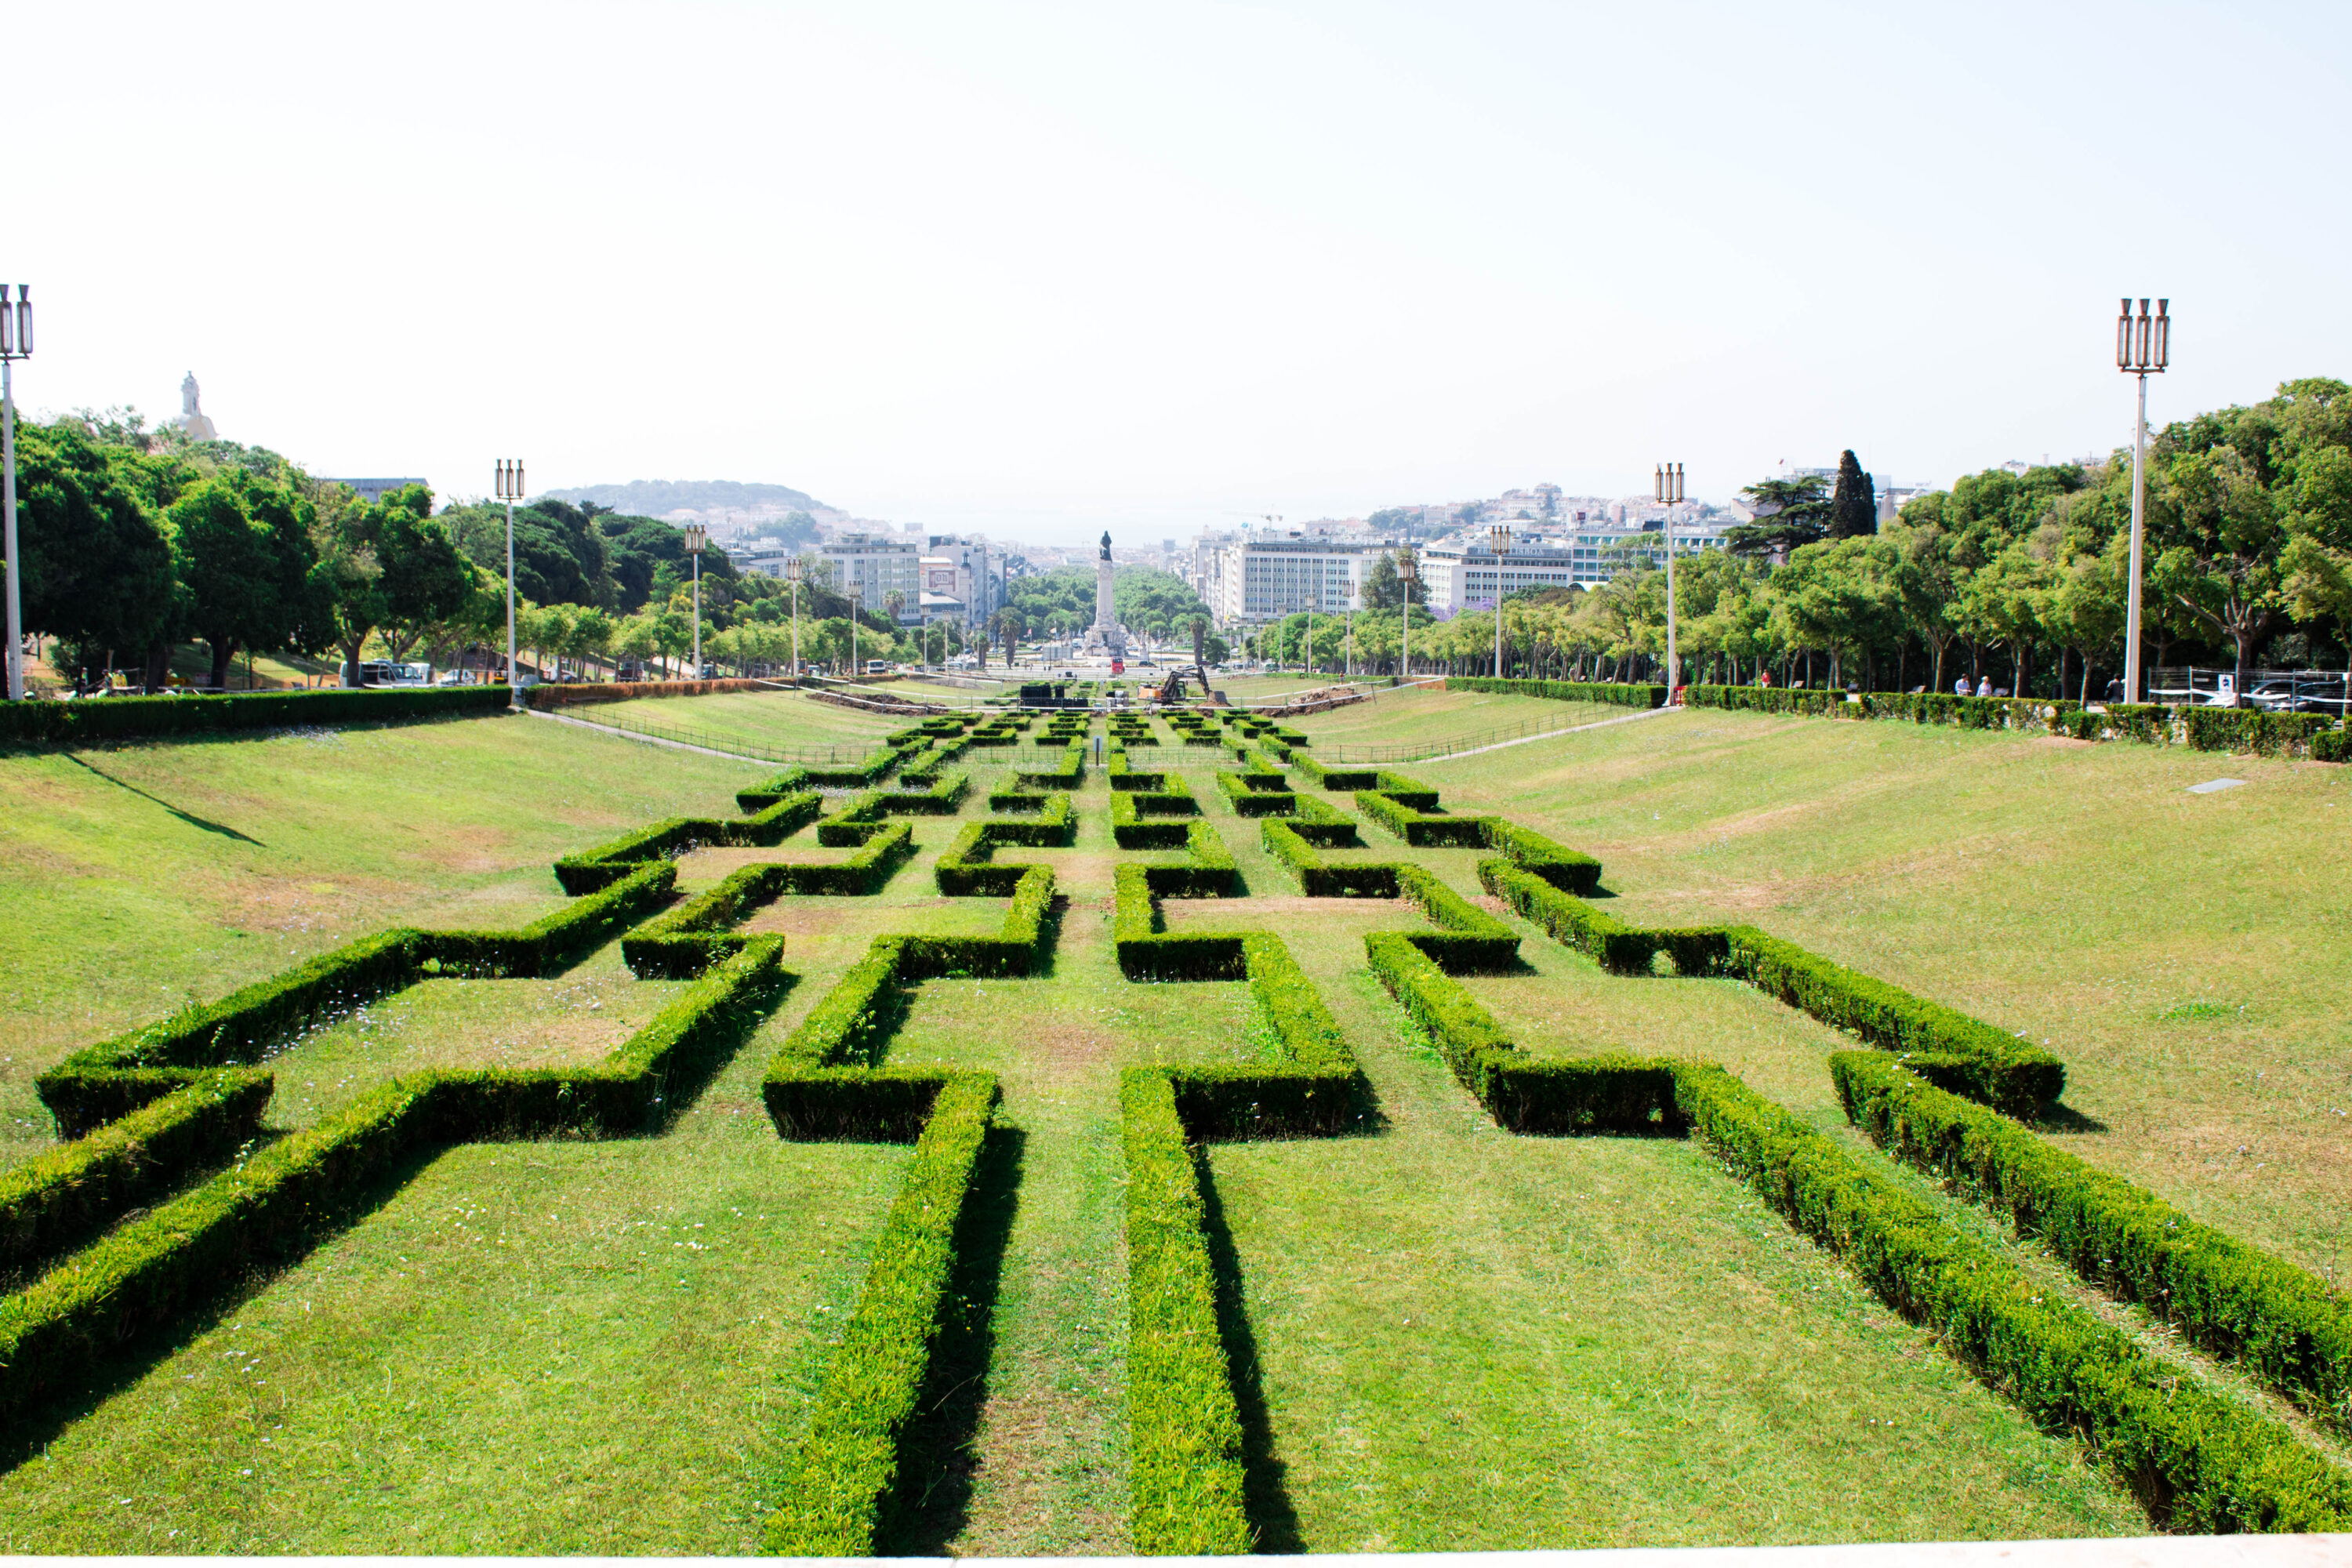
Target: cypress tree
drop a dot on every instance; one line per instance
(1854, 505)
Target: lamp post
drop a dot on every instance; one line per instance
(1498, 535)
(855, 594)
(511, 492)
(1408, 569)
(793, 572)
(1348, 599)
(696, 536)
(15, 343)
(1670, 496)
(2143, 348)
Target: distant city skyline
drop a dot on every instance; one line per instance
(1038, 270)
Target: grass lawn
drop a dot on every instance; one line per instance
(1449, 1337)
(774, 719)
(136, 877)
(2177, 951)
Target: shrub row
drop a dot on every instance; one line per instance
(1148, 952)
(1184, 1426)
(2202, 729)
(60, 1199)
(1617, 947)
(694, 936)
(845, 1474)
(872, 771)
(1319, 879)
(1129, 815)
(1424, 827)
(151, 1268)
(782, 816)
(1123, 777)
(1070, 773)
(855, 822)
(1257, 793)
(1315, 1086)
(1597, 1094)
(1945, 1047)
(555, 942)
(2197, 1461)
(2231, 1299)
(967, 870)
(1339, 779)
(1014, 950)
(140, 718)
(1531, 852)
(761, 795)
(1565, 690)
(1469, 940)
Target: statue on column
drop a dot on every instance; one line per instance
(192, 417)
(1106, 538)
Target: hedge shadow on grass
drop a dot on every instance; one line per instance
(1266, 1498)
(133, 1359)
(938, 1454)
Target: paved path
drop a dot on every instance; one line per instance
(1548, 734)
(646, 740)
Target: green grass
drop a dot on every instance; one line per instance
(774, 719)
(1454, 1337)
(529, 1348)
(136, 877)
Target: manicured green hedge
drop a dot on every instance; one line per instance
(2231, 1300)
(1611, 1093)
(59, 1200)
(1069, 773)
(1130, 831)
(1257, 793)
(1321, 878)
(761, 795)
(872, 771)
(1947, 1048)
(1563, 868)
(555, 942)
(1564, 691)
(2250, 730)
(2203, 729)
(966, 870)
(1346, 780)
(608, 862)
(143, 718)
(852, 1023)
(1147, 953)
(1184, 1427)
(1424, 827)
(1469, 940)
(1015, 950)
(2200, 1461)
(843, 1479)
(1617, 947)
(151, 1268)
(110, 1079)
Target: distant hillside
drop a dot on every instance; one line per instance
(651, 497)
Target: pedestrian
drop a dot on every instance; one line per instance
(1984, 687)
(1960, 687)
(2116, 690)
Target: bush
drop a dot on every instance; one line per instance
(145, 718)
(1949, 1048)
(1602, 1094)
(1423, 827)
(1013, 951)
(2198, 1460)
(1131, 832)
(1249, 799)
(1183, 1425)
(2250, 730)
(1340, 779)
(2232, 1301)
(1617, 947)
(1069, 773)
(1468, 940)
(59, 1200)
(1533, 853)
(554, 942)
(1564, 691)
(842, 1480)
(110, 1079)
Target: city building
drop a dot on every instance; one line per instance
(1464, 573)
(873, 566)
(963, 578)
(1263, 575)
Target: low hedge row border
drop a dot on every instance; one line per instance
(1950, 1049)
(151, 1268)
(2232, 730)
(1563, 690)
(2234, 1302)
(24, 724)
(689, 939)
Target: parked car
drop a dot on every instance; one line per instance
(877, 667)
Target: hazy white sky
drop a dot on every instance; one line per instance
(1044, 269)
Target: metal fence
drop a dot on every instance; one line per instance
(2277, 690)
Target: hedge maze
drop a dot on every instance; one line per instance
(161, 1197)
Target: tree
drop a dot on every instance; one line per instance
(384, 563)
(1854, 505)
(1789, 514)
(561, 554)
(244, 578)
(95, 564)
(1385, 587)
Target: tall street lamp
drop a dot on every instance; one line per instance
(794, 570)
(1408, 569)
(696, 536)
(511, 492)
(2143, 348)
(1670, 496)
(15, 343)
(855, 594)
(1498, 535)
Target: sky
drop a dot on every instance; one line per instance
(1042, 270)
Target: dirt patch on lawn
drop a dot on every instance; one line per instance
(2063, 742)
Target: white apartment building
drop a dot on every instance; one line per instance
(1263, 577)
(1465, 573)
(961, 579)
(875, 567)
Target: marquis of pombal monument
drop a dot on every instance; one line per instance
(1104, 637)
